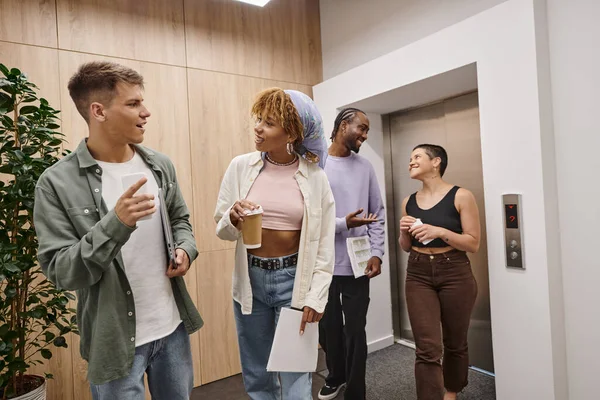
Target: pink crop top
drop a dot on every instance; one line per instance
(276, 190)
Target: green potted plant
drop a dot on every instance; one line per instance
(34, 315)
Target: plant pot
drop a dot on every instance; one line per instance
(39, 393)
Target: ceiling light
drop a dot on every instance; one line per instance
(259, 3)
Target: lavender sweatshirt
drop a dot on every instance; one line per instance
(354, 186)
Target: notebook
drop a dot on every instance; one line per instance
(168, 231)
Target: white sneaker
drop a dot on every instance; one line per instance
(330, 392)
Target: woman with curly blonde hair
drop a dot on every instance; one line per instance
(294, 265)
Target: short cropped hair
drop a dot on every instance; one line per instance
(97, 81)
(433, 151)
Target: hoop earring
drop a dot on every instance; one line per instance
(290, 148)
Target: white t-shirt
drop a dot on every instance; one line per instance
(145, 257)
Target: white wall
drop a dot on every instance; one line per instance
(356, 31)
(574, 32)
(507, 43)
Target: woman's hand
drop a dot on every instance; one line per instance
(406, 223)
(238, 211)
(309, 316)
(425, 232)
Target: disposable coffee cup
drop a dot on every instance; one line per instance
(252, 228)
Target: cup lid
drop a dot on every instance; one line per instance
(259, 210)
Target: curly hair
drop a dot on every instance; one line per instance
(277, 104)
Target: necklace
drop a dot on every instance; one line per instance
(269, 159)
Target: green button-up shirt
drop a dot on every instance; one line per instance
(80, 249)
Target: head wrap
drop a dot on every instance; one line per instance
(314, 146)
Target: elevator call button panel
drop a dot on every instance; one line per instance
(513, 231)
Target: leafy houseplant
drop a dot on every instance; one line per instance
(34, 315)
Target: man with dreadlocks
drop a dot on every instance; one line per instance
(355, 190)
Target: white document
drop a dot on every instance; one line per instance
(359, 250)
(292, 352)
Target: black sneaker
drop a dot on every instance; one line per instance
(330, 392)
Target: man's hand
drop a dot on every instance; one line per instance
(309, 316)
(182, 264)
(373, 267)
(354, 221)
(130, 209)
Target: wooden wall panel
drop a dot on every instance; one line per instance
(220, 129)
(281, 41)
(218, 338)
(150, 30)
(40, 64)
(200, 114)
(80, 384)
(28, 21)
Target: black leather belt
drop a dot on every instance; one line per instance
(273, 263)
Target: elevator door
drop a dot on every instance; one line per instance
(453, 124)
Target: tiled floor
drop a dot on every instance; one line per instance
(233, 388)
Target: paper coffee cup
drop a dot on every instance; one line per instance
(252, 228)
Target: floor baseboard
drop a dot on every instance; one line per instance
(380, 343)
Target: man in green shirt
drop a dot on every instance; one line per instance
(104, 239)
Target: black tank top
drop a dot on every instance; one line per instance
(444, 214)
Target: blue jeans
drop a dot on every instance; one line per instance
(271, 291)
(168, 363)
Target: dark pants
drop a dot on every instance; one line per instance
(345, 345)
(440, 289)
